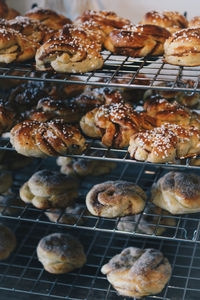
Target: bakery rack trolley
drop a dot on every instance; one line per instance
(23, 276)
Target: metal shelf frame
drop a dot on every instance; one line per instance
(115, 69)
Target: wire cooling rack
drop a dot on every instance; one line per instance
(22, 272)
(96, 151)
(118, 71)
(180, 228)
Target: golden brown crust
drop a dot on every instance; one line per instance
(106, 20)
(7, 242)
(195, 22)
(136, 272)
(66, 54)
(6, 12)
(115, 199)
(53, 138)
(48, 17)
(171, 20)
(183, 48)
(7, 118)
(177, 192)
(137, 41)
(165, 144)
(15, 47)
(60, 253)
(165, 112)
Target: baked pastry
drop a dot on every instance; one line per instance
(49, 189)
(7, 117)
(53, 138)
(70, 215)
(112, 199)
(149, 223)
(178, 193)
(171, 20)
(106, 20)
(194, 22)
(5, 181)
(195, 162)
(7, 12)
(15, 47)
(32, 29)
(138, 272)
(84, 167)
(60, 253)
(10, 204)
(137, 41)
(115, 123)
(26, 96)
(7, 242)
(48, 109)
(182, 48)
(66, 54)
(165, 144)
(165, 112)
(48, 17)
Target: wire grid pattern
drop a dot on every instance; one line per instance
(96, 151)
(184, 227)
(22, 272)
(114, 70)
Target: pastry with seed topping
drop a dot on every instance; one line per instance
(183, 48)
(49, 189)
(113, 199)
(60, 253)
(171, 20)
(138, 272)
(53, 138)
(165, 144)
(178, 193)
(137, 41)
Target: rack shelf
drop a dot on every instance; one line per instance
(115, 69)
(23, 273)
(185, 228)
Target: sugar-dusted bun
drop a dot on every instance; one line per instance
(137, 41)
(106, 20)
(60, 253)
(115, 199)
(171, 20)
(49, 189)
(5, 181)
(138, 272)
(53, 138)
(165, 143)
(147, 223)
(48, 17)
(15, 47)
(183, 48)
(195, 22)
(178, 193)
(7, 242)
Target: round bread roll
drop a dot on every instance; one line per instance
(147, 224)
(60, 253)
(178, 193)
(5, 181)
(171, 20)
(10, 204)
(115, 199)
(71, 214)
(84, 167)
(7, 242)
(49, 189)
(183, 48)
(138, 272)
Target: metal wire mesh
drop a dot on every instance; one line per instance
(115, 69)
(22, 272)
(178, 227)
